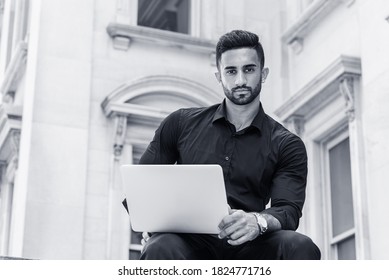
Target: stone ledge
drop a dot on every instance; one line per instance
(321, 89)
(124, 34)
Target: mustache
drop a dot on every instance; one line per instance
(241, 88)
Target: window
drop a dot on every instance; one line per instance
(135, 246)
(171, 15)
(340, 199)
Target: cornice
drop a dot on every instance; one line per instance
(124, 34)
(321, 89)
(134, 110)
(118, 102)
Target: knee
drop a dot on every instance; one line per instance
(159, 246)
(300, 245)
(297, 240)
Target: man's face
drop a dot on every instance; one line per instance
(241, 75)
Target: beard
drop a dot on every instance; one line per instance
(242, 95)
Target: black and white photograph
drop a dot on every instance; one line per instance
(194, 130)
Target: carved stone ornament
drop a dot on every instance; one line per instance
(346, 89)
(121, 126)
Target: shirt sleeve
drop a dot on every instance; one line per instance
(289, 183)
(163, 148)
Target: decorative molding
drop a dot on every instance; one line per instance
(123, 34)
(346, 89)
(121, 43)
(137, 111)
(123, 103)
(310, 18)
(120, 133)
(297, 45)
(14, 72)
(322, 89)
(118, 102)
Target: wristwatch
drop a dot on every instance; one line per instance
(262, 223)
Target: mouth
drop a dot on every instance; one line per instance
(241, 90)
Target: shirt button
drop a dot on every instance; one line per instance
(227, 158)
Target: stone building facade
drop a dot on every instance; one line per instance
(84, 84)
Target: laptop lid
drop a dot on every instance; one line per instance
(175, 198)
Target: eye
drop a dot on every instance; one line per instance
(231, 72)
(250, 70)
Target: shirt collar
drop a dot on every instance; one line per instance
(221, 113)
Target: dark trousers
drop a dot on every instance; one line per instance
(279, 245)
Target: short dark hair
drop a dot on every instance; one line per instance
(239, 39)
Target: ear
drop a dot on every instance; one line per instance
(265, 72)
(218, 76)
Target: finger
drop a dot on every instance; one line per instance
(145, 235)
(224, 222)
(238, 233)
(230, 229)
(239, 241)
(234, 216)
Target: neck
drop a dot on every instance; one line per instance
(241, 116)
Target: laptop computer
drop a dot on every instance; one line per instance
(175, 198)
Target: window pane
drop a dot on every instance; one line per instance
(341, 192)
(136, 237)
(172, 15)
(346, 249)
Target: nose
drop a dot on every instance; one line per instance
(240, 79)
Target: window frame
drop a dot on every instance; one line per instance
(331, 242)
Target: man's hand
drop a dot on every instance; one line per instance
(239, 227)
(145, 238)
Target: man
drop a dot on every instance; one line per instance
(261, 160)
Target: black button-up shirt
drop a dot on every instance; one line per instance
(262, 162)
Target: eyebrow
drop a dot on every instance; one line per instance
(250, 65)
(245, 66)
